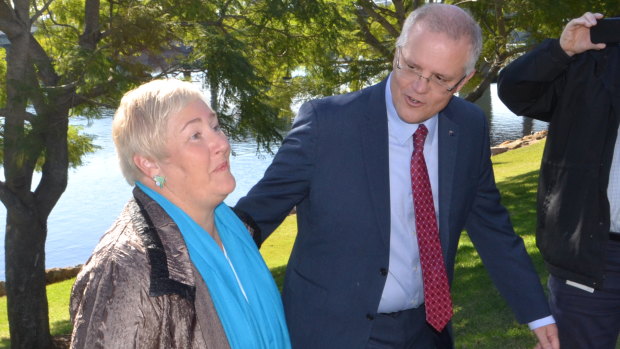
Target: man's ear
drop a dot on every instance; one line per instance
(147, 166)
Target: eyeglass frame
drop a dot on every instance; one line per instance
(420, 76)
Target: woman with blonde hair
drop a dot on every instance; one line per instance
(177, 269)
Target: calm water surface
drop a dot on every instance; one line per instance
(97, 191)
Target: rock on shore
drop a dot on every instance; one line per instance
(52, 275)
(522, 142)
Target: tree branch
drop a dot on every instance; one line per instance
(91, 35)
(54, 174)
(369, 38)
(81, 99)
(370, 9)
(4, 112)
(401, 13)
(22, 10)
(8, 198)
(53, 20)
(40, 12)
(43, 63)
(8, 20)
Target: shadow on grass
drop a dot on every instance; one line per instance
(60, 331)
(519, 197)
(61, 327)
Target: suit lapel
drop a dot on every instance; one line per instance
(448, 145)
(374, 132)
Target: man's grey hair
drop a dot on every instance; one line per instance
(447, 19)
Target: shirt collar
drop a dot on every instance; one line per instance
(400, 130)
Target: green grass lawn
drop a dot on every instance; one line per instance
(482, 319)
(58, 302)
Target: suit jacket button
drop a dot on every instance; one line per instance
(383, 271)
(370, 317)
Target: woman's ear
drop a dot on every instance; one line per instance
(147, 166)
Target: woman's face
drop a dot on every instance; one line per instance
(196, 168)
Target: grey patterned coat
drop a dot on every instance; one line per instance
(139, 288)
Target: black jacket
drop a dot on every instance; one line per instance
(580, 98)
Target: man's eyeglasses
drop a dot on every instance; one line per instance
(412, 72)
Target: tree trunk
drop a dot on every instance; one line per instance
(25, 227)
(489, 74)
(26, 230)
(27, 211)
(25, 279)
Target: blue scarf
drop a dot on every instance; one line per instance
(257, 322)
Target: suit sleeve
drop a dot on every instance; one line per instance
(530, 85)
(287, 180)
(502, 251)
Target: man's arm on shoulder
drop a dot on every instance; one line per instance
(287, 180)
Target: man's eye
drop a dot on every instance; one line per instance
(196, 135)
(440, 78)
(217, 128)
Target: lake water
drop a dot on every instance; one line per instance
(97, 191)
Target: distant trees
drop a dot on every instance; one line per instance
(357, 48)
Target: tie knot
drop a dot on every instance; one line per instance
(419, 136)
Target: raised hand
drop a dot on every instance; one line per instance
(575, 37)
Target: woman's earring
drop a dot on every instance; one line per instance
(159, 181)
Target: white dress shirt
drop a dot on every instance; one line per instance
(403, 288)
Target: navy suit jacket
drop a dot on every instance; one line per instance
(333, 165)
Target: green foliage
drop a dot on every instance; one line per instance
(135, 38)
(79, 144)
(341, 46)
(511, 27)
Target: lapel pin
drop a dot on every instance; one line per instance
(451, 133)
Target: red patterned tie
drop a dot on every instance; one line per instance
(436, 289)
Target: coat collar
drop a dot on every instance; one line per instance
(171, 268)
(448, 135)
(374, 133)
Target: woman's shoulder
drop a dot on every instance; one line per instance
(121, 244)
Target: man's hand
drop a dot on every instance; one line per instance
(547, 337)
(576, 35)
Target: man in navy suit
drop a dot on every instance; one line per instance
(355, 277)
